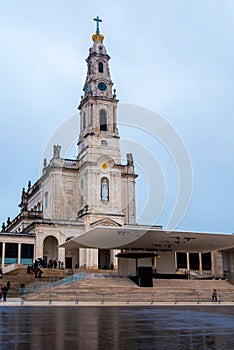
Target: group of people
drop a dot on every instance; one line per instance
(55, 264)
(35, 270)
(48, 264)
(4, 290)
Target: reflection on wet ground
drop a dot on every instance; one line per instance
(181, 328)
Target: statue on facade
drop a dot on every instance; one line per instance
(104, 190)
(24, 200)
(130, 159)
(57, 150)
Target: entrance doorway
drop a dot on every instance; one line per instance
(104, 259)
(206, 262)
(194, 261)
(68, 262)
(50, 248)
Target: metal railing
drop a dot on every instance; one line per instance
(60, 281)
(126, 298)
(55, 282)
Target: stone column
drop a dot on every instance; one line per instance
(83, 254)
(19, 253)
(200, 263)
(61, 254)
(115, 259)
(34, 253)
(92, 258)
(188, 266)
(114, 119)
(95, 259)
(3, 253)
(217, 263)
(39, 245)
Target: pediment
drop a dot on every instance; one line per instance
(105, 222)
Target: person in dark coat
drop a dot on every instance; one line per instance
(214, 295)
(4, 292)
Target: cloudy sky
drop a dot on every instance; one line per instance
(173, 57)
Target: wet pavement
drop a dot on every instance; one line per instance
(59, 327)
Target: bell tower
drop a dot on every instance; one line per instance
(107, 187)
(98, 105)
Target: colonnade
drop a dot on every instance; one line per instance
(13, 252)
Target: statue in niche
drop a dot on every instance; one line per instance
(129, 159)
(104, 190)
(57, 150)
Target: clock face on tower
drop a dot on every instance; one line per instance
(102, 86)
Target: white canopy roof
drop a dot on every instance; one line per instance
(150, 238)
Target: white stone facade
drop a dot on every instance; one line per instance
(72, 195)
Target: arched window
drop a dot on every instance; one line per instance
(104, 189)
(83, 126)
(103, 120)
(81, 192)
(100, 67)
(81, 201)
(46, 200)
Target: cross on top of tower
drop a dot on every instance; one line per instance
(97, 20)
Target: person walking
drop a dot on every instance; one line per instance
(214, 295)
(4, 292)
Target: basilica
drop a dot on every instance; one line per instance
(83, 211)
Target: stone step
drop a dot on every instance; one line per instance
(119, 285)
(20, 276)
(105, 283)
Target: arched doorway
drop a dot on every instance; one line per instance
(50, 248)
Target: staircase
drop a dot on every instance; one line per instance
(196, 286)
(106, 283)
(19, 276)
